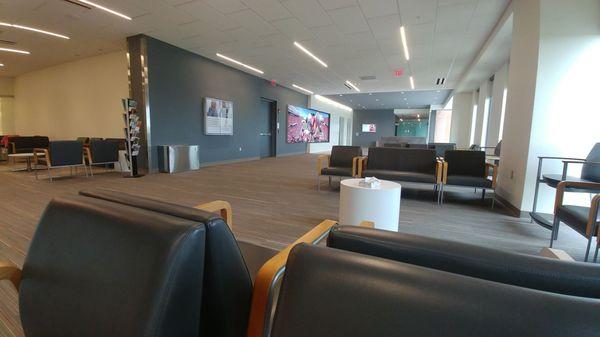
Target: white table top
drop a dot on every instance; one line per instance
(24, 154)
(383, 184)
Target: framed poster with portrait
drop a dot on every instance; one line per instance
(218, 117)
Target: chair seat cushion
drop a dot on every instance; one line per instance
(552, 180)
(407, 176)
(337, 171)
(460, 180)
(575, 217)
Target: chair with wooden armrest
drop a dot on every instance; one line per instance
(102, 152)
(590, 172)
(468, 169)
(341, 163)
(270, 274)
(96, 268)
(584, 220)
(60, 154)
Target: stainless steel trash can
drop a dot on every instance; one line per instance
(178, 158)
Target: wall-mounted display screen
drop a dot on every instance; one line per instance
(218, 117)
(307, 125)
(369, 128)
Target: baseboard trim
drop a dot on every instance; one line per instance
(291, 154)
(232, 161)
(514, 211)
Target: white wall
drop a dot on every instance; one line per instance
(80, 98)
(552, 86)
(7, 117)
(334, 127)
(462, 111)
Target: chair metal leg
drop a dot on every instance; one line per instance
(442, 194)
(91, 170)
(483, 194)
(86, 172)
(587, 250)
(554, 233)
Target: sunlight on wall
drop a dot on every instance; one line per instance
(473, 125)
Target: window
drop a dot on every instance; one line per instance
(484, 125)
(473, 125)
(502, 114)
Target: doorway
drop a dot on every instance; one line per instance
(267, 128)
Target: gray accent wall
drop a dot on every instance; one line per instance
(178, 82)
(383, 119)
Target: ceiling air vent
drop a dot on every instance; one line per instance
(347, 86)
(12, 43)
(368, 78)
(440, 81)
(77, 3)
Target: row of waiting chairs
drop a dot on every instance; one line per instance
(74, 154)
(457, 167)
(110, 264)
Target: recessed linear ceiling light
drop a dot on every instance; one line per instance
(15, 51)
(404, 44)
(305, 90)
(240, 63)
(31, 29)
(352, 85)
(104, 9)
(301, 47)
(412, 82)
(332, 102)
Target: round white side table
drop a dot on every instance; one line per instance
(380, 205)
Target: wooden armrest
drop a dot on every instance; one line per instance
(494, 168)
(272, 270)
(441, 170)
(88, 153)
(223, 207)
(46, 155)
(357, 166)
(558, 254)
(362, 165)
(560, 190)
(9, 271)
(320, 159)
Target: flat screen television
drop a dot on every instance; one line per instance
(307, 125)
(369, 128)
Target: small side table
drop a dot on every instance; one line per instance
(26, 156)
(380, 205)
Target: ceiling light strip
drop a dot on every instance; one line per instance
(404, 44)
(332, 102)
(240, 63)
(34, 30)
(104, 9)
(303, 89)
(301, 47)
(10, 50)
(352, 85)
(412, 82)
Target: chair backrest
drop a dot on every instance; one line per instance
(592, 171)
(66, 152)
(498, 149)
(465, 163)
(119, 141)
(396, 159)
(341, 156)
(418, 146)
(27, 144)
(227, 284)
(97, 269)
(327, 292)
(441, 148)
(104, 151)
(529, 271)
(400, 145)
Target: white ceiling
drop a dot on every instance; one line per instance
(355, 37)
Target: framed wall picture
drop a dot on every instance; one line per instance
(218, 117)
(371, 128)
(307, 125)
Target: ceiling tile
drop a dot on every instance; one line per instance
(349, 20)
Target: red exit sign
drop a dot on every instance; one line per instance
(398, 72)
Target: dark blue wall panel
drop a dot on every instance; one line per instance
(178, 82)
(384, 121)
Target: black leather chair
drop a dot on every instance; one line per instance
(227, 283)
(328, 292)
(590, 173)
(584, 220)
(529, 271)
(98, 269)
(26, 144)
(396, 145)
(59, 154)
(469, 169)
(342, 162)
(418, 146)
(441, 148)
(407, 165)
(102, 152)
